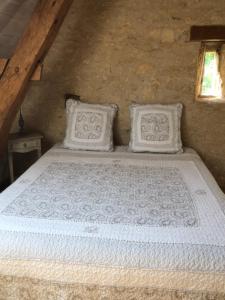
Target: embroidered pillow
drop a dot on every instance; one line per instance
(89, 126)
(156, 128)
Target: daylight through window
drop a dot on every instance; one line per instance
(211, 79)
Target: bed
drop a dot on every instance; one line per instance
(113, 225)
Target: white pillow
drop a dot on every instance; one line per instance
(89, 126)
(156, 128)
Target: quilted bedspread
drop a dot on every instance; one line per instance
(148, 226)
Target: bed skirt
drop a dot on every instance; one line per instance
(23, 288)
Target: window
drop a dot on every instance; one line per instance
(209, 82)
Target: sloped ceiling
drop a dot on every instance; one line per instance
(14, 15)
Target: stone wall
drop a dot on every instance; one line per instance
(124, 51)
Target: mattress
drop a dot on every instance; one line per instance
(117, 223)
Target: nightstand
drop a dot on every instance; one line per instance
(22, 143)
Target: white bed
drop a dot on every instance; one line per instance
(115, 224)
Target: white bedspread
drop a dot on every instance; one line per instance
(117, 219)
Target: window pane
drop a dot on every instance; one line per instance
(211, 81)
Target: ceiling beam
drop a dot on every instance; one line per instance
(36, 75)
(30, 51)
(3, 63)
(207, 33)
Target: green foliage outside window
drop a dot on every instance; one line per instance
(211, 81)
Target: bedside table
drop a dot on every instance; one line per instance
(22, 143)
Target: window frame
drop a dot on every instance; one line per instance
(205, 47)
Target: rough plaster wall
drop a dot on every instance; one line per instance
(124, 51)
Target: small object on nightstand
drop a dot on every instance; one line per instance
(22, 143)
(21, 122)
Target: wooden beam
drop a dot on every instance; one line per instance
(37, 73)
(208, 33)
(35, 77)
(3, 63)
(35, 42)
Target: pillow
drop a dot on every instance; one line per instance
(89, 126)
(156, 128)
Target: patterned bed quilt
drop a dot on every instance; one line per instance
(119, 225)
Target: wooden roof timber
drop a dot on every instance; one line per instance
(35, 76)
(32, 47)
(3, 63)
(207, 33)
